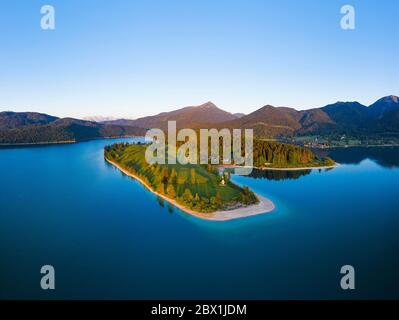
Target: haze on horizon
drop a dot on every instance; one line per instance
(128, 59)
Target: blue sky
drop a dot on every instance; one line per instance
(129, 58)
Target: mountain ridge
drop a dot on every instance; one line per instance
(187, 117)
(338, 117)
(33, 127)
(381, 117)
(270, 121)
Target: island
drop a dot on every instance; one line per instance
(204, 190)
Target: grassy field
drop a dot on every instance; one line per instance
(197, 187)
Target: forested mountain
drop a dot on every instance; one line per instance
(384, 106)
(351, 118)
(15, 120)
(30, 127)
(340, 117)
(268, 121)
(188, 117)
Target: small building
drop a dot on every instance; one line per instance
(222, 182)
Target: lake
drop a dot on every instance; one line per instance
(107, 237)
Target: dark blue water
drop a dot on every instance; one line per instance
(108, 237)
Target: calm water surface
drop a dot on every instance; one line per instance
(108, 237)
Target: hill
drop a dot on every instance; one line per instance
(31, 127)
(268, 121)
(188, 117)
(384, 106)
(381, 119)
(15, 120)
(336, 118)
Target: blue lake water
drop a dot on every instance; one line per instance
(107, 237)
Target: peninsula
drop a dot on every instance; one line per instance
(204, 190)
(199, 190)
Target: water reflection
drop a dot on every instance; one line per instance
(387, 157)
(161, 201)
(278, 174)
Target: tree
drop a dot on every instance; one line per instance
(187, 195)
(161, 188)
(197, 198)
(170, 190)
(173, 176)
(227, 176)
(165, 177)
(218, 199)
(192, 175)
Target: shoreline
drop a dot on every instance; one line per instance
(353, 146)
(299, 168)
(36, 143)
(44, 143)
(360, 146)
(264, 206)
(285, 169)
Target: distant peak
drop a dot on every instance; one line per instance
(345, 104)
(392, 98)
(388, 100)
(208, 105)
(268, 106)
(99, 118)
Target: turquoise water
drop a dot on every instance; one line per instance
(107, 237)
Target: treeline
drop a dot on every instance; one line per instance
(65, 130)
(275, 154)
(197, 187)
(35, 134)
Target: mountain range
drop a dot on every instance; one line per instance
(201, 116)
(269, 121)
(32, 127)
(352, 118)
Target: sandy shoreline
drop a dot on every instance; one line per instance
(265, 205)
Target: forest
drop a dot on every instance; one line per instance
(198, 187)
(274, 154)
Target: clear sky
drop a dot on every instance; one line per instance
(129, 58)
